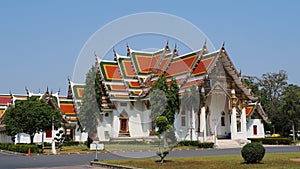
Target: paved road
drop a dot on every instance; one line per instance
(9, 161)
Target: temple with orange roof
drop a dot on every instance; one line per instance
(230, 111)
(64, 104)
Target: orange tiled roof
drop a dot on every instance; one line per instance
(5, 99)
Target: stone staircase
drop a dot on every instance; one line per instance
(227, 143)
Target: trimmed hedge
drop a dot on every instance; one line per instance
(188, 143)
(253, 152)
(196, 144)
(21, 148)
(70, 143)
(206, 145)
(272, 141)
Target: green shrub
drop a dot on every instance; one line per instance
(188, 143)
(21, 148)
(4, 146)
(272, 141)
(70, 143)
(253, 152)
(162, 154)
(206, 145)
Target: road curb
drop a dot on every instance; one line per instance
(105, 165)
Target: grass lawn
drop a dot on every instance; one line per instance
(270, 161)
(70, 149)
(129, 147)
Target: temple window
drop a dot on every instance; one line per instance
(223, 118)
(183, 118)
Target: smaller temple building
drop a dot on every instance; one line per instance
(64, 104)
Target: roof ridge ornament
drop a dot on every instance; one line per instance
(128, 50)
(204, 48)
(115, 54)
(175, 51)
(223, 47)
(26, 89)
(167, 46)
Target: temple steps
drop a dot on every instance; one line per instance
(228, 143)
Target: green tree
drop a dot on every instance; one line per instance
(30, 116)
(158, 102)
(98, 88)
(164, 102)
(272, 87)
(173, 102)
(90, 109)
(60, 138)
(290, 106)
(269, 89)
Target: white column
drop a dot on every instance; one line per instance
(233, 126)
(115, 126)
(244, 123)
(203, 123)
(53, 150)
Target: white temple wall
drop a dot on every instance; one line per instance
(217, 103)
(260, 131)
(139, 122)
(5, 138)
(80, 136)
(181, 132)
(115, 124)
(25, 138)
(104, 129)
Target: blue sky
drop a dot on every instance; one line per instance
(41, 40)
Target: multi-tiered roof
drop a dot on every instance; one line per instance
(130, 77)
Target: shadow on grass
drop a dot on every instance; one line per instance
(165, 161)
(244, 162)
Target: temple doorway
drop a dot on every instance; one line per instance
(124, 128)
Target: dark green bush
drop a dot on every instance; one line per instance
(4, 146)
(272, 141)
(70, 143)
(21, 148)
(188, 143)
(206, 145)
(253, 152)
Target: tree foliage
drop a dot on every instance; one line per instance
(164, 102)
(30, 116)
(253, 152)
(279, 99)
(290, 107)
(272, 87)
(92, 99)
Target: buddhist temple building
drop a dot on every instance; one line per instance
(230, 110)
(64, 104)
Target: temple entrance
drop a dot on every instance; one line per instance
(124, 128)
(124, 125)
